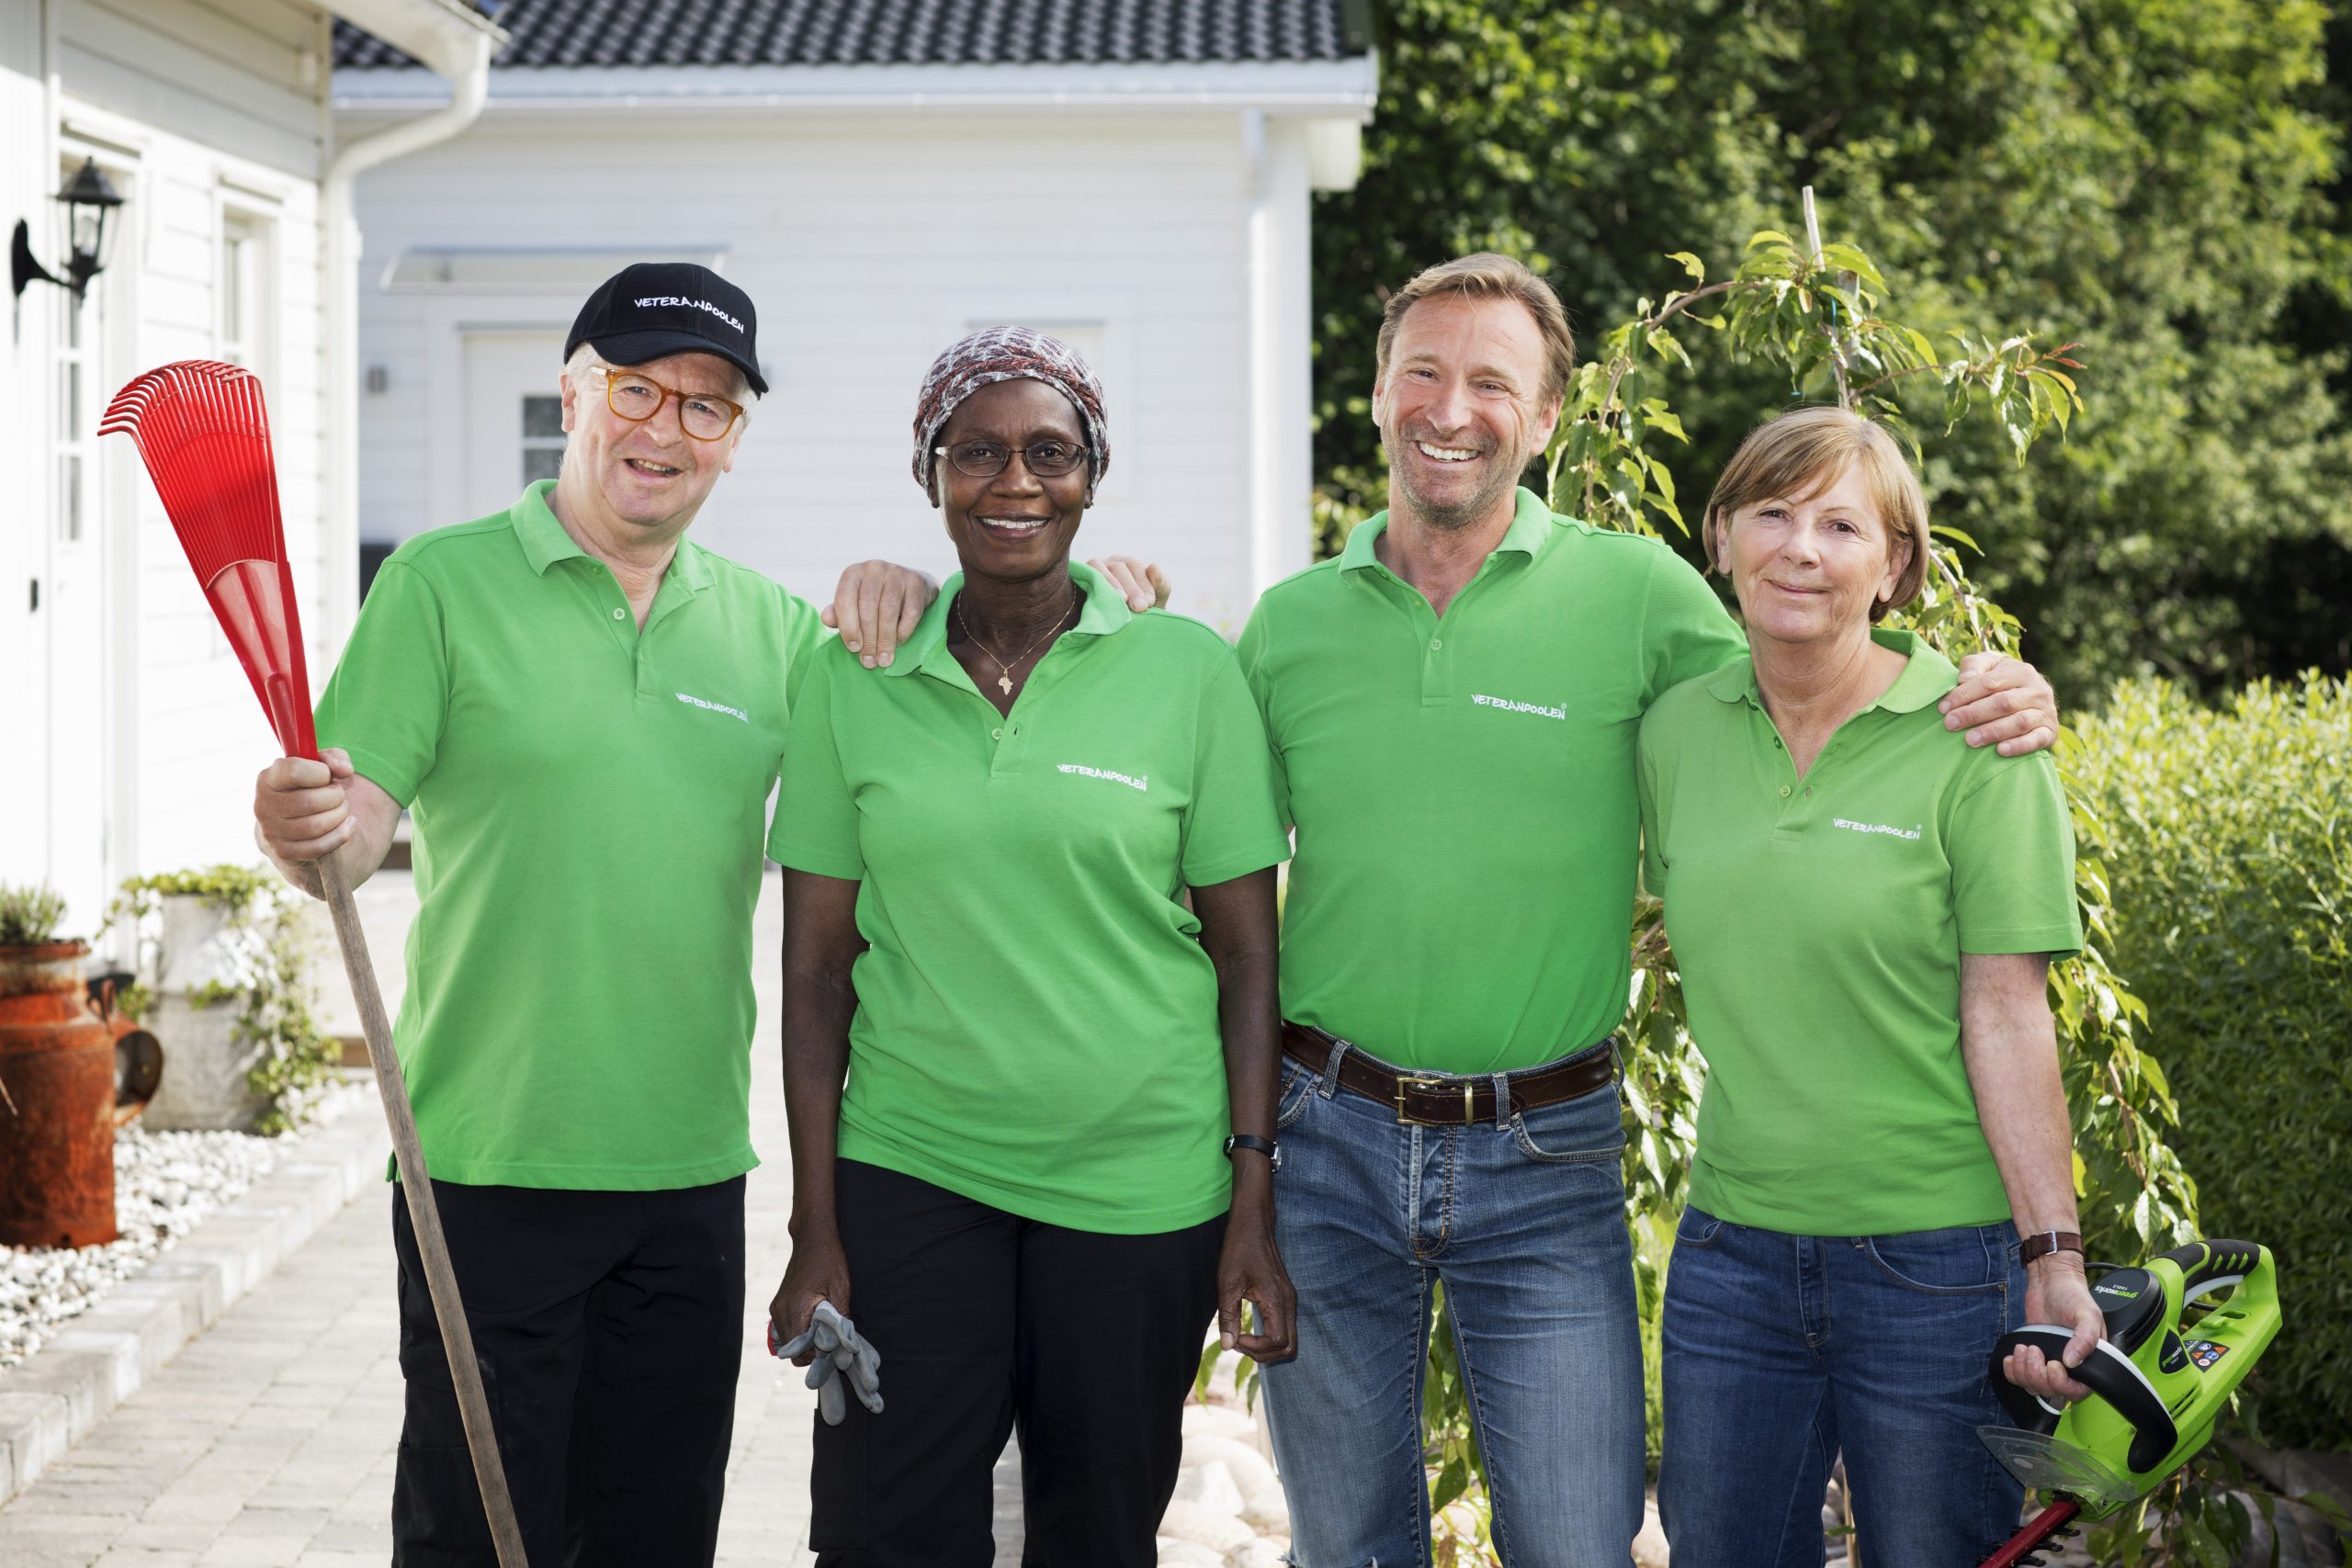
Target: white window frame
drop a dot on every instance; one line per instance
(244, 319)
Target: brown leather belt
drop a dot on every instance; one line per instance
(1444, 1100)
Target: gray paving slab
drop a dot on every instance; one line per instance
(268, 1439)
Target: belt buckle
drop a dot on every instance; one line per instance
(1406, 1082)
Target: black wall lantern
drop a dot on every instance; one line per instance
(90, 199)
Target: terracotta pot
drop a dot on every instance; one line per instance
(57, 1120)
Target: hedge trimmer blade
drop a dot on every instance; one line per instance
(2054, 1523)
(203, 431)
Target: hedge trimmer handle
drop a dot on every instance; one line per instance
(2107, 1372)
(2212, 1264)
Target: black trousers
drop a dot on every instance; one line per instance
(609, 1327)
(985, 1321)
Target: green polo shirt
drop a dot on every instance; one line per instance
(1819, 922)
(588, 802)
(1463, 787)
(1036, 1024)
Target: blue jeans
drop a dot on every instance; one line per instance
(1782, 1350)
(1523, 1221)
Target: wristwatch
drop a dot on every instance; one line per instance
(2042, 1244)
(1267, 1146)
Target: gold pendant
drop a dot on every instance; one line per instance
(1004, 684)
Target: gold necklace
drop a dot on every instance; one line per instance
(1004, 670)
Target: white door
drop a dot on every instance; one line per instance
(74, 606)
(514, 415)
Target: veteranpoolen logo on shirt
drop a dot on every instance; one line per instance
(1513, 705)
(1133, 781)
(708, 706)
(1879, 828)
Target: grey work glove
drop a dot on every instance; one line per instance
(834, 1340)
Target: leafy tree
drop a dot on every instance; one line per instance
(2152, 176)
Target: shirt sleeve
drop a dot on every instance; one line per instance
(1646, 783)
(805, 636)
(2011, 843)
(1253, 662)
(1230, 828)
(388, 702)
(1686, 631)
(816, 816)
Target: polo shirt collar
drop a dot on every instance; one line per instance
(545, 542)
(543, 538)
(1103, 612)
(1531, 529)
(1925, 676)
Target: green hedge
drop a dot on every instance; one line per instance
(2229, 839)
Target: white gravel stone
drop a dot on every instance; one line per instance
(1212, 1486)
(1267, 1511)
(1174, 1553)
(1250, 1470)
(1255, 1554)
(165, 1184)
(1649, 1547)
(1217, 1421)
(1219, 1532)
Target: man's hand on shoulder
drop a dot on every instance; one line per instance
(1144, 585)
(876, 606)
(2003, 703)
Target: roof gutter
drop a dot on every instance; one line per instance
(457, 41)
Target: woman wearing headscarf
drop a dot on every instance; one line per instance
(1053, 1160)
(1863, 909)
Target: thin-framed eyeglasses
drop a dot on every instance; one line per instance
(637, 397)
(986, 460)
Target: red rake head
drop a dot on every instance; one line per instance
(204, 434)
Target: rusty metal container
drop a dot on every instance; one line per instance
(57, 1065)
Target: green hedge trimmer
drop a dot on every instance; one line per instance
(2158, 1380)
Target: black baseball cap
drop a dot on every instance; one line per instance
(653, 308)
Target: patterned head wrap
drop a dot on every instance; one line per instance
(1010, 354)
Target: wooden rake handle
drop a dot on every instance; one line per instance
(424, 1216)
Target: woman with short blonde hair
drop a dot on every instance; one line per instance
(1862, 909)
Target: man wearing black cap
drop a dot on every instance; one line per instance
(584, 711)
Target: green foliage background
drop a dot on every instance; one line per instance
(2157, 178)
(2230, 862)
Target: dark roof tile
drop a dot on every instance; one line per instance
(570, 33)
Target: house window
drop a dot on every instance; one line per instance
(542, 436)
(244, 283)
(75, 373)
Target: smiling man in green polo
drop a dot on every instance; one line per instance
(585, 713)
(1452, 704)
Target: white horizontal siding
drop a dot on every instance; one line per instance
(866, 247)
(230, 75)
(28, 178)
(199, 108)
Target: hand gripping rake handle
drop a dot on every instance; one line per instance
(203, 431)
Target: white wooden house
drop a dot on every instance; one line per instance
(128, 738)
(1132, 175)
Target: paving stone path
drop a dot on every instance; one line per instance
(269, 1440)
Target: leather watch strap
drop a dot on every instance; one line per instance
(2042, 1244)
